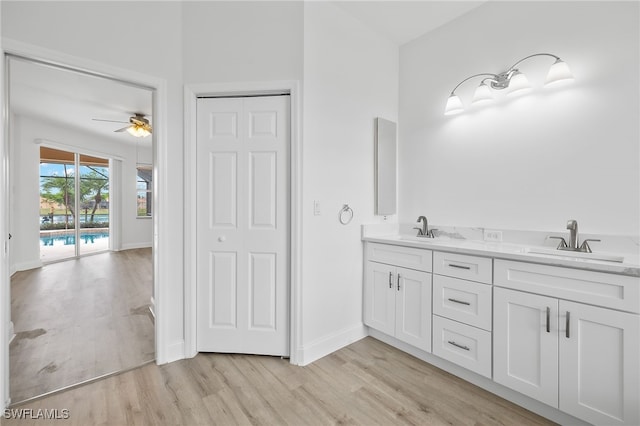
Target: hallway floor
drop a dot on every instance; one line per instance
(80, 319)
(365, 383)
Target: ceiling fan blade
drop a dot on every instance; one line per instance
(110, 121)
(122, 130)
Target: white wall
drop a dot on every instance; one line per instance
(25, 251)
(533, 162)
(227, 41)
(350, 77)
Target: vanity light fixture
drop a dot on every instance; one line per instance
(514, 81)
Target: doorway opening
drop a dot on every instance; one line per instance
(74, 206)
(81, 319)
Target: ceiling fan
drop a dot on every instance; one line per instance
(138, 125)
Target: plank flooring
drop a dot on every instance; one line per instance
(365, 383)
(80, 319)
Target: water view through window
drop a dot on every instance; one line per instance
(70, 200)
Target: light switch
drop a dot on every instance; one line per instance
(316, 208)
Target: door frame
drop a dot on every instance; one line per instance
(162, 254)
(191, 93)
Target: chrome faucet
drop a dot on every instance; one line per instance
(572, 226)
(424, 231)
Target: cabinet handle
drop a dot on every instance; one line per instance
(390, 279)
(568, 325)
(398, 282)
(453, 265)
(548, 318)
(459, 301)
(451, 342)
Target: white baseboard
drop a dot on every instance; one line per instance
(12, 332)
(331, 343)
(175, 352)
(25, 266)
(132, 246)
(480, 381)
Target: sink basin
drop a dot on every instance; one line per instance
(416, 239)
(575, 254)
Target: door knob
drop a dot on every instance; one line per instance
(222, 238)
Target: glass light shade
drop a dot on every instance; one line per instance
(138, 131)
(518, 84)
(454, 105)
(482, 94)
(558, 72)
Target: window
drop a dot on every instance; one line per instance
(144, 184)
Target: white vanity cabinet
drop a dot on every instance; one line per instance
(397, 293)
(551, 343)
(462, 310)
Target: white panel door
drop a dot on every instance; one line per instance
(380, 297)
(243, 225)
(599, 360)
(413, 308)
(525, 344)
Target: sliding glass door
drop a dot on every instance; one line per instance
(74, 204)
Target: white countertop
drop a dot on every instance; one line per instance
(504, 250)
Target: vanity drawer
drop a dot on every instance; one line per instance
(597, 288)
(462, 344)
(463, 266)
(408, 257)
(463, 301)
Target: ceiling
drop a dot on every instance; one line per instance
(73, 99)
(403, 21)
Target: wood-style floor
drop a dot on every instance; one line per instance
(366, 383)
(80, 319)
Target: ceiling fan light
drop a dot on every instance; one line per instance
(559, 72)
(138, 131)
(454, 105)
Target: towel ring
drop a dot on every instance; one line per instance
(345, 215)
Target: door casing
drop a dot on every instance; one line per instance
(191, 93)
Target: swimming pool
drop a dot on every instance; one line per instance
(70, 239)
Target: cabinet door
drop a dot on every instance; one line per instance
(413, 308)
(525, 344)
(599, 360)
(379, 297)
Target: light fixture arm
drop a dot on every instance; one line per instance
(513, 67)
(469, 78)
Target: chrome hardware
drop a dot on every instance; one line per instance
(573, 245)
(548, 318)
(572, 226)
(562, 242)
(398, 282)
(424, 231)
(390, 279)
(568, 324)
(453, 265)
(451, 342)
(458, 301)
(585, 245)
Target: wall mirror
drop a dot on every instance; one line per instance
(385, 160)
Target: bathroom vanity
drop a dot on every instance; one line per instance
(562, 330)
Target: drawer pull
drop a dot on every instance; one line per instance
(458, 301)
(451, 342)
(390, 279)
(548, 318)
(398, 282)
(453, 265)
(568, 324)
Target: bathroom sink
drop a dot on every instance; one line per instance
(416, 239)
(575, 254)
